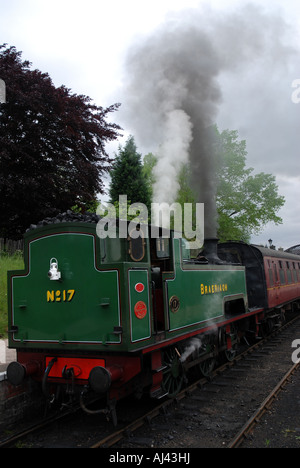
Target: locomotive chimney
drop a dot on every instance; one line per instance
(210, 251)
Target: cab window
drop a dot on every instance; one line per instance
(162, 247)
(185, 249)
(136, 246)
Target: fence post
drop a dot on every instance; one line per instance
(10, 246)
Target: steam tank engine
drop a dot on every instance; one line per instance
(116, 316)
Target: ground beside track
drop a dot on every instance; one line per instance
(280, 426)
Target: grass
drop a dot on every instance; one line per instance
(7, 262)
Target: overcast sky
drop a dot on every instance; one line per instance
(84, 46)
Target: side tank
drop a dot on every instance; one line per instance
(64, 298)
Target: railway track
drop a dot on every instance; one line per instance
(220, 411)
(209, 413)
(265, 406)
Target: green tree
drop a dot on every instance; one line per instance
(185, 193)
(246, 202)
(127, 176)
(52, 146)
(149, 162)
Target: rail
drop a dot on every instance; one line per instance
(265, 406)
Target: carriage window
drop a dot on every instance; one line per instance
(271, 277)
(289, 273)
(162, 248)
(276, 276)
(136, 246)
(281, 272)
(293, 272)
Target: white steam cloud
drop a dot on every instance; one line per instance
(193, 345)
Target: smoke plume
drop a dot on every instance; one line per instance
(172, 90)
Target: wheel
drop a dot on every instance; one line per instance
(230, 354)
(173, 375)
(206, 367)
(208, 346)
